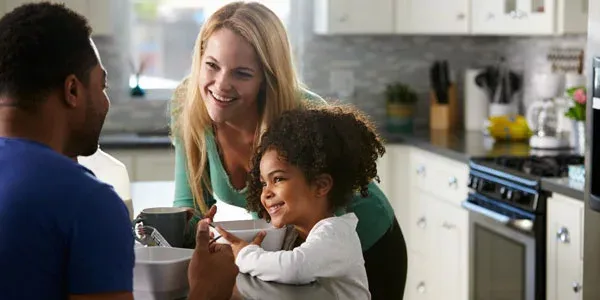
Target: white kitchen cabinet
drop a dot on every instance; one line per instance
(96, 11)
(393, 174)
(353, 16)
(564, 248)
(147, 164)
(99, 16)
(420, 17)
(437, 234)
(528, 17)
(448, 251)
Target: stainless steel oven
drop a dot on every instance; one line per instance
(507, 226)
(504, 257)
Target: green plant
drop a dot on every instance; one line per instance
(579, 96)
(400, 93)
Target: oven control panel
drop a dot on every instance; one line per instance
(505, 192)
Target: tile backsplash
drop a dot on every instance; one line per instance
(374, 61)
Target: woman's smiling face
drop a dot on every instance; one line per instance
(230, 76)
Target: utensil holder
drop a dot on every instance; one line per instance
(443, 116)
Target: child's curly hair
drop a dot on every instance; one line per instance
(338, 140)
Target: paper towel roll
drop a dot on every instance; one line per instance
(476, 102)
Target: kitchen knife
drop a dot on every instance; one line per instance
(434, 77)
(444, 82)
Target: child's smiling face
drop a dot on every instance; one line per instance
(286, 194)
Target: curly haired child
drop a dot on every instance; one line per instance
(309, 163)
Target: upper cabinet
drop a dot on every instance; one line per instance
(447, 17)
(432, 16)
(96, 11)
(528, 17)
(353, 16)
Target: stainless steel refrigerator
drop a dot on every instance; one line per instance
(591, 254)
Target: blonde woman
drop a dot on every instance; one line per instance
(242, 78)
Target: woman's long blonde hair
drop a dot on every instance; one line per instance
(265, 32)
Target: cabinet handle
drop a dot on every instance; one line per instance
(563, 235)
(422, 223)
(421, 287)
(448, 225)
(421, 170)
(344, 18)
(521, 14)
(577, 287)
(453, 182)
(490, 16)
(460, 16)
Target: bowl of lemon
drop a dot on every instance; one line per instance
(507, 128)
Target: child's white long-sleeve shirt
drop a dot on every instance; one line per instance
(332, 251)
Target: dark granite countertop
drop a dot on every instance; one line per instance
(135, 141)
(457, 145)
(464, 145)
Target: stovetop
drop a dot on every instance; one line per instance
(533, 166)
(515, 181)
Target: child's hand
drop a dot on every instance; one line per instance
(238, 244)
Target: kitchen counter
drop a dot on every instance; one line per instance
(464, 145)
(564, 186)
(135, 141)
(459, 145)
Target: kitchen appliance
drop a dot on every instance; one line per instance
(507, 220)
(594, 145)
(591, 245)
(546, 116)
(476, 102)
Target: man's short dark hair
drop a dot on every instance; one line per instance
(40, 45)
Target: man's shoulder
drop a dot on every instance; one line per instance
(39, 171)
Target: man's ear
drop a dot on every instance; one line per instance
(72, 91)
(323, 184)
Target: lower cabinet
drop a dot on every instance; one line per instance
(564, 242)
(425, 191)
(147, 164)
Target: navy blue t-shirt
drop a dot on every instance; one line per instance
(62, 231)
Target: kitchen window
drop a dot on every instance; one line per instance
(163, 36)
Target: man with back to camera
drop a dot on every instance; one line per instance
(63, 233)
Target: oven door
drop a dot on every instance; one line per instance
(501, 256)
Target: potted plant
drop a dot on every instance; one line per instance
(400, 107)
(576, 112)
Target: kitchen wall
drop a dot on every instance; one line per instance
(373, 60)
(378, 60)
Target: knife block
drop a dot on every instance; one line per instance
(443, 116)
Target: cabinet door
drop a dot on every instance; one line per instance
(99, 16)
(353, 16)
(513, 17)
(80, 6)
(419, 222)
(417, 282)
(564, 244)
(448, 250)
(12, 4)
(155, 166)
(432, 16)
(399, 188)
(127, 158)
